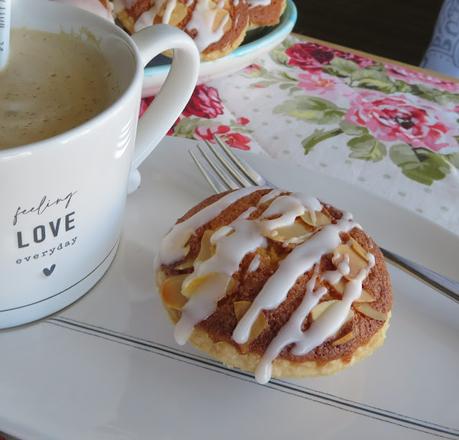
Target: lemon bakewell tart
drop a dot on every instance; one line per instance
(217, 26)
(274, 282)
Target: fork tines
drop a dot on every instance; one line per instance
(222, 169)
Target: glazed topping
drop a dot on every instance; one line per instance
(208, 18)
(254, 264)
(241, 238)
(255, 3)
(203, 21)
(147, 18)
(168, 11)
(320, 330)
(119, 5)
(300, 260)
(173, 246)
(223, 250)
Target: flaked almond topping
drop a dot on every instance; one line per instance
(321, 307)
(359, 249)
(179, 14)
(192, 284)
(258, 327)
(295, 233)
(171, 292)
(365, 297)
(207, 249)
(346, 338)
(240, 307)
(356, 262)
(188, 264)
(316, 219)
(222, 17)
(369, 311)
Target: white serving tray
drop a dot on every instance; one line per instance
(108, 367)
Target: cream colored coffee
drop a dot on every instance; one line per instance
(52, 83)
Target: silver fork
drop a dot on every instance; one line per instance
(224, 171)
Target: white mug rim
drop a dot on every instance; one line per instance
(100, 117)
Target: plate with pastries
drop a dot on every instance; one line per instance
(230, 34)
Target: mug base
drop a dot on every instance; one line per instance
(42, 309)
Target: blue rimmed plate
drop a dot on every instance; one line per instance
(256, 43)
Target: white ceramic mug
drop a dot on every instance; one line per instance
(62, 199)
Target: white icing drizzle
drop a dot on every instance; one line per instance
(335, 316)
(288, 208)
(119, 5)
(320, 330)
(254, 264)
(291, 331)
(255, 3)
(200, 306)
(269, 196)
(189, 2)
(146, 19)
(173, 245)
(342, 263)
(168, 11)
(229, 252)
(202, 21)
(299, 261)
(220, 233)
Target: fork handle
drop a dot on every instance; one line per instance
(444, 285)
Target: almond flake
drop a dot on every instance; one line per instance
(321, 307)
(171, 292)
(346, 338)
(369, 311)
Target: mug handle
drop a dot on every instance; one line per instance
(174, 94)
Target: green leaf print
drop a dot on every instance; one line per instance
(366, 147)
(372, 79)
(186, 127)
(419, 164)
(318, 135)
(311, 109)
(263, 84)
(351, 129)
(431, 94)
(341, 67)
(278, 54)
(453, 159)
(402, 86)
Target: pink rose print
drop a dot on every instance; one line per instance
(414, 77)
(242, 121)
(357, 59)
(208, 133)
(205, 103)
(253, 70)
(312, 56)
(309, 56)
(322, 84)
(144, 104)
(238, 140)
(401, 117)
(235, 140)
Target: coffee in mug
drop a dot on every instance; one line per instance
(63, 184)
(53, 82)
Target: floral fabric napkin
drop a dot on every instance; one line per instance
(388, 128)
